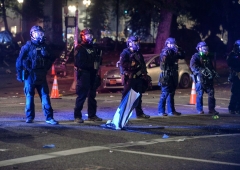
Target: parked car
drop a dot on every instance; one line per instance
(112, 79)
(60, 64)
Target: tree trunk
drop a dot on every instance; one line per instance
(4, 16)
(164, 29)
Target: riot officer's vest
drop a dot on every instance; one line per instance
(35, 58)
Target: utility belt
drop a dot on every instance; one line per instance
(133, 75)
(82, 71)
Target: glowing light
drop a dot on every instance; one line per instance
(86, 2)
(20, 1)
(72, 8)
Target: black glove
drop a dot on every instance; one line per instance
(170, 52)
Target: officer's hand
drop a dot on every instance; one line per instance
(133, 63)
(170, 52)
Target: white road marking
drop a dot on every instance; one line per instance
(51, 155)
(114, 146)
(178, 157)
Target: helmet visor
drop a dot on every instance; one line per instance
(171, 45)
(134, 45)
(88, 37)
(37, 35)
(204, 49)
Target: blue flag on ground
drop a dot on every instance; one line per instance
(124, 111)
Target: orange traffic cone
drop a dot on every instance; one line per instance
(53, 70)
(193, 94)
(55, 92)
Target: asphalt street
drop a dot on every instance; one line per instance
(189, 141)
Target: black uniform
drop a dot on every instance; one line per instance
(168, 79)
(233, 61)
(204, 74)
(133, 76)
(32, 65)
(87, 61)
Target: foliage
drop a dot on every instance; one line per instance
(99, 12)
(33, 10)
(210, 16)
(13, 5)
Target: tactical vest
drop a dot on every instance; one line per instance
(36, 58)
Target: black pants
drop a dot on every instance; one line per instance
(200, 89)
(234, 104)
(85, 89)
(167, 96)
(137, 85)
(43, 91)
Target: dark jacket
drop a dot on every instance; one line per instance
(87, 60)
(233, 61)
(202, 68)
(126, 58)
(36, 59)
(198, 63)
(85, 56)
(169, 58)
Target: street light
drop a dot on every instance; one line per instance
(86, 2)
(72, 8)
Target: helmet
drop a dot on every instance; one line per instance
(201, 44)
(37, 34)
(86, 36)
(236, 47)
(202, 47)
(133, 43)
(170, 41)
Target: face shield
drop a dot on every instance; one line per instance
(88, 38)
(203, 50)
(171, 45)
(134, 45)
(38, 36)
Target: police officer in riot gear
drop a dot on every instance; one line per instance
(87, 62)
(32, 65)
(133, 69)
(168, 79)
(233, 61)
(204, 74)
